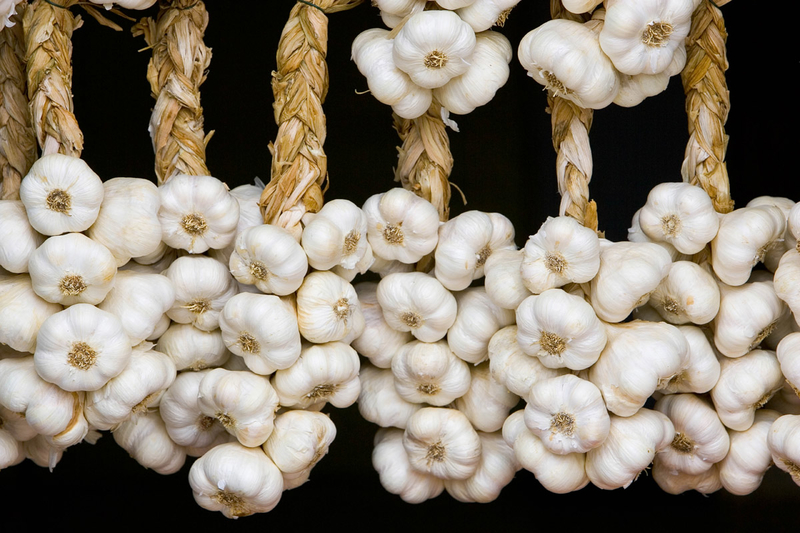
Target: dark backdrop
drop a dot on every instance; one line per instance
(504, 162)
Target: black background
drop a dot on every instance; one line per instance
(504, 162)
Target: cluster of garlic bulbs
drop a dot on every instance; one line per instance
(627, 51)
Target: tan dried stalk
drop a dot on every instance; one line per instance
(17, 138)
(175, 72)
(48, 41)
(707, 105)
(299, 173)
(424, 160)
(570, 124)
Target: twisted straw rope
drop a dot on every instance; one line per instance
(17, 138)
(48, 41)
(299, 171)
(424, 159)
(175, 72)
(707, 105)
(570, 124)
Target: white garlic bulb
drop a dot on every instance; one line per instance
(18, 239)
(688, 293)
(787, 281)
(270, 258)
(202, 287)
(397, 476)
(783, 444)
(378, 342)
(300, 439)
(742, 470)
(635, 234)
(705, 482)
(483, 14)
(22, 312)
(61, 194)
(197, 213)
(747, 315)
(477, 319)
(328, 309)
(247, 196)
(429, 373)
(379, 401)
(193, 349)
(496, 469)
(788, 353)
(442, 442)
(503, 278)
(186, 424)
(42, 453)
(634, 89)
(417, 303)
(336, 235)
(512, 368)
(701, 370)
(487, 402)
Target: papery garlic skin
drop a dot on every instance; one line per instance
(631, 444)
(581, 6)
(300, 439)
(401, 225)
(784, 445)
(202, 287)
(379, 401)
(270, 258)
(477, 319)
(442, 442)
(483, 14)
(560, 329)
(511, 367)
(634, 89)
(235, 480)
(788, 353)
(69, 269)
(336, 235)
(705, 482)
(635, 234)
(787, 281)
(378, 342)
(11, 450)
(747, 315)
(742, 470)
(18, 239)
(701, 370)
(688, 293)
(61, 194)
(496, 469)
(22, 312)
(247, 196)
(186, 424)
(417, 303)
(562, 251)
(503, 278)
(429, 373)
(81, 348)
(487, 402)
(328, 309)
(42, 453)
(193, 349)
(397, 476)
(197, 213)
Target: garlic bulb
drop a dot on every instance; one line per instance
(634, 89)
(16, 425)
(783, 444)
(379, 401)
(496, 469)
(247, 196)
(397, 476)
(262, 329)
(701, 370)
(336, 235)
(742, 470)
(560, 329)
(270, 258)
(18, 239)
(787, 281)
(487, 402)
(378, 342)
(631, 444)
(705, 482)
(635, 234)
(61, 194)
(323, 373)
(202, 287)
(429, 373)
(747, 315)
(300, 439)
(562, 251)
(503, 278)
(401, 225)
(197, 213)
(235, 480)
(11, 450)
(788, 353)
(565, 56)
(127, 223)
(186, 424)
(193, 349)
(689, 293)
(81, 348)
(42, 453)
(22, 312)
(328, 309)
(581, 6)
(511, 367)
(72, 268)
(466, 242)
(417, 303)
(477, 319)
(483, 14)
(442, 442)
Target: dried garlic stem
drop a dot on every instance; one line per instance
(299, 85)
(707, 105)
(175, 72)
(424, 159)
(17, 138)
(570, 124)
(48, 42)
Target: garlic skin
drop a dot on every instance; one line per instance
(323, 373)
(42, 453)
(511, 367)
(61, 194)
(18, 239)
(300, 439)
(384, 267)
(705, 482)
(328, 309)
(202, 287)
(185, 422)
(429, 373)
(562, 251)
(628, 273)
(127, 223)
(680, 214)
(261, 329)
(72, 268)
(560, 329)
(336, 235)
(193, 349)
(22, 312)
(742, 470)
(747, 315)
(487, 402)
(568, 414)
(197, 213)
(581, 6)
(433, 47)
(270, 258)
(477, 319)
(496, 469)
(81, 348)
(787, 281)
(235, 480)
(378, 342)
(401, 225)
(701, 370)
(11, 450)
(397, 476)
(634, 89)
(503, 278)
(442, 442)
(247, 196)
(483, 14)
(466, 242)
(565, 56)
(15, 425)
(557, 473)
(379, 401)
(630, 447)
(635, 234)
(417, 303)
(140, 301)
(745, 236)
(788, 353)
(745, 385)
(688, 293)
(782, 441)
